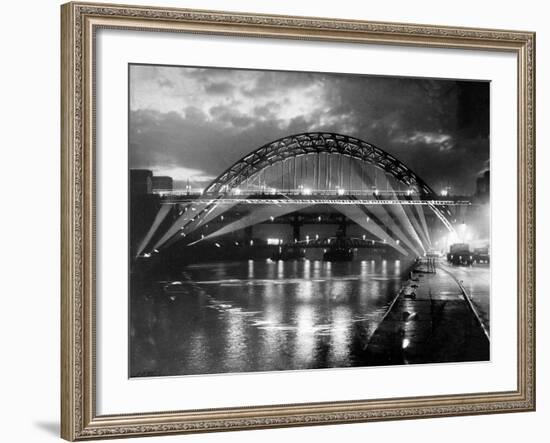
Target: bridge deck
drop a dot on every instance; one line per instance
(309, 201)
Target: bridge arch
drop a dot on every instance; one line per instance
(315, 143)
(294, 146)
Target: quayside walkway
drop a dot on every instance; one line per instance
(429, 321)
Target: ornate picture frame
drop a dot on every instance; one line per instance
(80, 22)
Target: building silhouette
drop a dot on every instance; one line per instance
(162, 183)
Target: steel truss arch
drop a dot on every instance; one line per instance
(308, 143)
(315, 143)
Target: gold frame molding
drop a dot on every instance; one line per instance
(79, 22)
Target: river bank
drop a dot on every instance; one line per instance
(430, 321)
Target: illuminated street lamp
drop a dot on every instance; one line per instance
(464, 232)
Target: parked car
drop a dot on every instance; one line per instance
(460, 254)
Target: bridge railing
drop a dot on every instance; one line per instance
(289, 192)
(277, 191)
(320, 197)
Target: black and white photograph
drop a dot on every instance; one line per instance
(285, 220)
(240, 222)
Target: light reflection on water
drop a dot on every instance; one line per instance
(259, 316)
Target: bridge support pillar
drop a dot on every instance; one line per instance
(342, 227)
(296, 229)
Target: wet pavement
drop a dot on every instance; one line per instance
(430, 321)
(476, 281)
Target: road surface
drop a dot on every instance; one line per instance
(476, 280)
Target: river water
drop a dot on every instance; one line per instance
(259, 316)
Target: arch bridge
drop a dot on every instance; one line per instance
(357, 179)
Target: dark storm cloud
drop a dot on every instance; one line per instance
(206, 119)
(268, 110)
(226, 114)
(273, 82)
(439, 128)
(218, 88)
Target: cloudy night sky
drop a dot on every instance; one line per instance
(193, 123)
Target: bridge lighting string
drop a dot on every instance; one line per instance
(201, 219)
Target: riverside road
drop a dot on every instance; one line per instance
(440, 315)
(476, 280)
